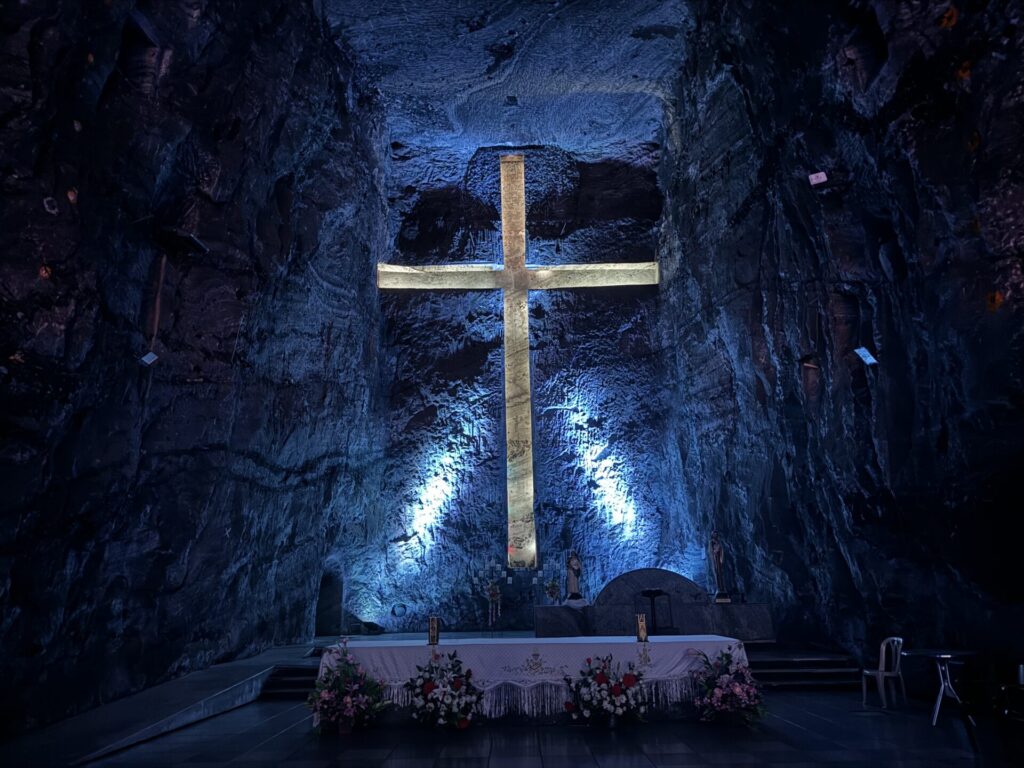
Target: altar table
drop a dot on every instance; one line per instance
(526, 676)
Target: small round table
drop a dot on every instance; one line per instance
(942, 661)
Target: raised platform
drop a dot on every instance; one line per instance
(681, 608)
(526, 675)
(749, 622)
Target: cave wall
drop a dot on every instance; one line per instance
(857, 500)
(442, 521)
(578, 89)
(156, 519)
(860, 501)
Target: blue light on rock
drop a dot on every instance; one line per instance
(433, 497)
(606, 473)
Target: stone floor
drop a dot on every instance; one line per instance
(800, 729)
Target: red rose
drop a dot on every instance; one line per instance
(570, 707)
(456, 683)
(462, 724)
(429, 686)
(616, 690)
(629, 679)
(588, 660)
(600, 678)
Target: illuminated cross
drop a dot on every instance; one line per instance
(515, 280)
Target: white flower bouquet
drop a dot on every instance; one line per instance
(601, 694)
(443, 693)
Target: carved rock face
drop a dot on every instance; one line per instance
(157, 519)
(160, 518)
(734, 397)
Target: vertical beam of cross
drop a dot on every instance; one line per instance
(516, 280)
(522, 533)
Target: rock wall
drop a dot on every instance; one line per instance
(442, 534)
(199, 178)
(860, 500)
(209, 180)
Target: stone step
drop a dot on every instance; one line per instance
(285, 679)
(285, 695)
(289, 683)
(780, 667)
(306, 688)
(847, 671)
(802, 683)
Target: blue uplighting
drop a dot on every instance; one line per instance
(440, 478)
(605, 471)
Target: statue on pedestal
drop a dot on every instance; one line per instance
(716, 554)
(573, 571)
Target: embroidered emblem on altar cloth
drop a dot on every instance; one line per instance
(534, 666)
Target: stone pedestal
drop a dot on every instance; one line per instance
(693, 612)
(562, 621)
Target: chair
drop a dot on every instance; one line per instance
(889, 659)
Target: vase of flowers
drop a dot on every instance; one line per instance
(443, 693)
(553, 590)
(601, 694)
(726, 690)
(345, 697)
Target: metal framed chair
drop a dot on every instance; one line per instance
(889, 660)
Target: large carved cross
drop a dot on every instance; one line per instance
(516, 280)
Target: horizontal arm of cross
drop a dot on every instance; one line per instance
(593, 275)
(454, 277)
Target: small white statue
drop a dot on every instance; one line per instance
(573, 571)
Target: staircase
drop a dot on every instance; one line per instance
(776, 667)
(289, 683)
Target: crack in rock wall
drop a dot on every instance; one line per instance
(159, 519)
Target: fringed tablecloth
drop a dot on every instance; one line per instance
(525, 676)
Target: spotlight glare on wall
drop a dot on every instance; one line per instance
(605, 472)
(436, 491)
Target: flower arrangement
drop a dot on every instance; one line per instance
(601, 693)
(553, 589)
(443, 692)
(346, 697)
(726, 688)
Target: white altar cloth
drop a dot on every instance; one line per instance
(526, 676)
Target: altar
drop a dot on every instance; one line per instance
(526, 675)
